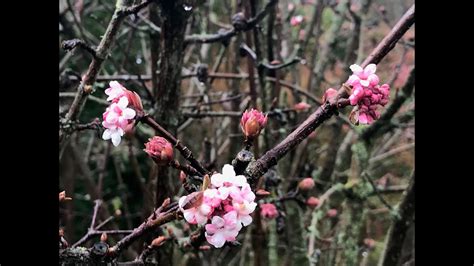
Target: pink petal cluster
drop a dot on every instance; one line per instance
(296, 20)
(159, 149)
(228, 203)
(118, 117)
(367, 94)
(268, 210)
(252, 122)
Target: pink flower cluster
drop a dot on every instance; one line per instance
(228, 203)
(367, 94)
(118, 117)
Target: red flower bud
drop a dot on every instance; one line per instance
(158, 241)
(62, 196)
(252, 123)
(268, 210)
(331, 213)
(302, 106)
(330, 95)
(306, 184)
(103, 237)
(160, 150)
(369, 243)
(312, 202)
(182, 176)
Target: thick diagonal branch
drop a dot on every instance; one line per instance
(324, 112)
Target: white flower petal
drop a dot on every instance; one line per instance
(364, 82)
(106, 134)
(246, 220)
(217, 180)
(356, 69)
(218, 221)
(188, 216)
(217, 240)
(370, 69)
(128, 113)
(228, 171)
(123, 102)
(116, 138)
(239, 180)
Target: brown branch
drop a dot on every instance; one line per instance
(102, 51)
(189, 170)
(155, 220)
(324, 112)
(225, 35)
(70, 45)
(185, 151)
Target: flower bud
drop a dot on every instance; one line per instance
(306, 184)
(330, 95)
(369, 243)
(268, 210)
(252, 123)
(62, 196)
(301, 106)
(312, 202)
(158, 241)
(182, 176)
(103, 237)
(331, 213)
(160, 150)
(262, 193)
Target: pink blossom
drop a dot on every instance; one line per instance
(268, 210)
(252, 122)
(116, 119)
(222, 229)
(296, 20)
(302, 106)
(115, 91)
(366, 94)
(195, 215)
(228, 203)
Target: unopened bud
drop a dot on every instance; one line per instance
(330, 95)
(160, 150)
(62, 196)
(252, 122)
(369, 243)
(182, 176)
(301, 106)
(103, 237)
(158, 241)
(331, 213)
(262, 193)
(312, 202)
(306, 184)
